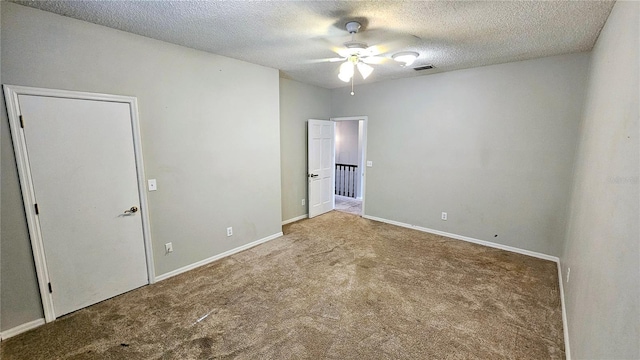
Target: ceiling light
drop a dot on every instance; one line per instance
(346, 71)
(406, 57)
(364, 69)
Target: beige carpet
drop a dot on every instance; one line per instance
(348, 205)
(337, 286)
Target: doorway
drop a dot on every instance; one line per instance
(81, 175)
(350, 153)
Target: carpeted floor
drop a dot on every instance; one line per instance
(336, 286)
(348, 205)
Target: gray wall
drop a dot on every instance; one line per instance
(347, 142)
(298, 103)
(348, 150)
(1, 176)
(209, 125)
(602, 249)
(19, 294)
(491, 146)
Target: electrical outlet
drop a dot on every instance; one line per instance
(168, 248)
(229, 231)
(304, 201)
(444, 216)
(568, 274)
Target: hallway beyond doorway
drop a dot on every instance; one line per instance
(348, 205)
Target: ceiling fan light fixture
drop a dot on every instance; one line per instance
(346, 71)
(344, 77)
(364, 69)
(405, 57)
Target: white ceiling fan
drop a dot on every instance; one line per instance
(358, 55)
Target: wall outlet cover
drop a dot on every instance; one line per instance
(229, 231)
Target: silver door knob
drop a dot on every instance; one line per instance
(132, 210)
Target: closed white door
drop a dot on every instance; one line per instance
(321, 166)
(82, 164)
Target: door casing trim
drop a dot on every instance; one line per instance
(11, 93)
(365, 121)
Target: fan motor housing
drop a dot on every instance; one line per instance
(355, 45)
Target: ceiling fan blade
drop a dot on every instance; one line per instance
(374, 60)
(326, 60)
(344, 52)
(393, 46)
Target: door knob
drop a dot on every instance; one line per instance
(313, 175)
(132, 210)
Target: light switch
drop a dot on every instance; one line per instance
(369, 163)
(152, 185)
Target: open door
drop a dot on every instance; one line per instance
(320, 172)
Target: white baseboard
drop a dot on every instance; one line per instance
(295, 219)
(216, 257)
(565, 324)
(21, 328)
(466, 238)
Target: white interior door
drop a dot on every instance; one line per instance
(321, 166)
(83, 170)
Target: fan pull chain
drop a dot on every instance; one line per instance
(352, 93)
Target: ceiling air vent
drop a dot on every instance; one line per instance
(425, 67)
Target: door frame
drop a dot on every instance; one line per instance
(365, 120)
(11, 93)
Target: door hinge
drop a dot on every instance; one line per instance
(37, 210)
(50, 291)
(21, 122)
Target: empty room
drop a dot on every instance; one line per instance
(319, 180)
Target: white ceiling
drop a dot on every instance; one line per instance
(289, 35)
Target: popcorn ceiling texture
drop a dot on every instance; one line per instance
(288, 35)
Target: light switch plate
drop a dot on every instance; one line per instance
(152, 185)
(369, 163)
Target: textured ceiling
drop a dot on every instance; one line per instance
(289, 35)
